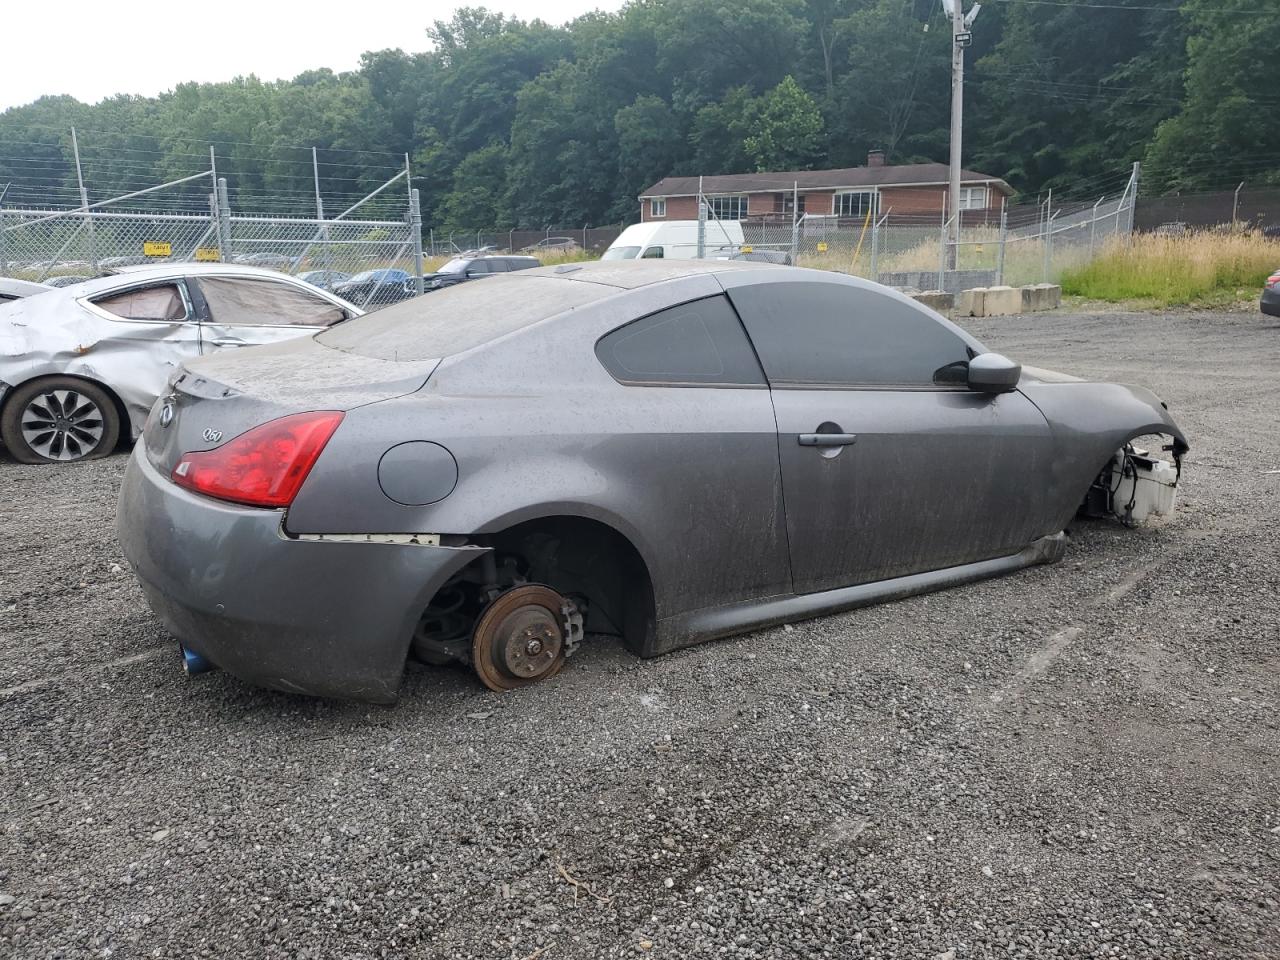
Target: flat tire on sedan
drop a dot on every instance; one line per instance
(520, 638)
(59, 420)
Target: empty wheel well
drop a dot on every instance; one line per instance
(576, 555)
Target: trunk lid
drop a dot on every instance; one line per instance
(213, 399)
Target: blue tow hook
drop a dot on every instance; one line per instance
(193, 663)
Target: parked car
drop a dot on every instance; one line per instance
(1270, 302)
(675, 240)
(552, 245)
(377, 288)
(324, 279)
(461, 269)
(68, 280)
(11, 289)
(781, 257)
(268, 261)
(669, 452)
(81, 366)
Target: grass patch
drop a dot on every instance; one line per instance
(1209, 268)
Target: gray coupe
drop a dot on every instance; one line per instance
(666, 451)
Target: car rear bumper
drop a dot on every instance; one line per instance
(324, 618)
(1270, 302)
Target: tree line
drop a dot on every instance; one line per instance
(515, 123)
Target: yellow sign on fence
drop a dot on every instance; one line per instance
(822, 247)
(157, 248)
(207, 254)
(745, 249)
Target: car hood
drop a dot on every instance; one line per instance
(1041, 375)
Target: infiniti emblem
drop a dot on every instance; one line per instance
(211, 435)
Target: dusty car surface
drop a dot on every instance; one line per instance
(668, 451)
(82, 366)
(11, 289)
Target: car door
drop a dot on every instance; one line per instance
(239, 311)
(890, 465)
(157, 318)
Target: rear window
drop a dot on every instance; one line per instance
(460, 317)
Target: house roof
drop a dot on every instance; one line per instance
(884, 176)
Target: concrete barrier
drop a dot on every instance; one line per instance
(1005, 301)
(936, 300)
(1041, 296)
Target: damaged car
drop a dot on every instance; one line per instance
(82, 366)
(667, 451)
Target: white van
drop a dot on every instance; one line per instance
(675, 240)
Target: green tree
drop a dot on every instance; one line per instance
(787, 129)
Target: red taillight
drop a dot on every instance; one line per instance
(263, 467)
(1273, 280)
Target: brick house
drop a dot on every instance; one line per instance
(913, 189)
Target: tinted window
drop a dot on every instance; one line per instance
(477, 267)
(698, 342)
(813, 332)
(497, 265)
(161, 302)
(239, 301)
(652, 252)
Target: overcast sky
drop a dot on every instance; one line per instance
(92, 49)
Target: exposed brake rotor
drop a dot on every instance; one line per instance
(521, 637)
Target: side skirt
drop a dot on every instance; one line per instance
(700, 625)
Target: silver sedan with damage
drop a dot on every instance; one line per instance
(80, 367)
(669, 452)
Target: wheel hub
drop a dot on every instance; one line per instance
(519, 639)
(62, 425)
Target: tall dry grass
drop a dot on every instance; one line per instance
(1205, 266)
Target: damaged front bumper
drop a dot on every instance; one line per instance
(321, 617)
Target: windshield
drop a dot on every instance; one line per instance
(456, 265)
(621, 253)
(384, 276)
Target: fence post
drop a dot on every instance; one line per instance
(795, 220)
(224, 220)
(942, 253)
(702, 222)
(1133, 201)
(1093, 224)
(415, 230)
(4, 261)
(1235, 205)
(584, 236)
(875, 251)
(1004, 238)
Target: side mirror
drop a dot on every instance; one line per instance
(993, 373)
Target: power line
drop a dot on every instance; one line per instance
(1122, 6)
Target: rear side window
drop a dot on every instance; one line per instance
(161, 302)
(652, 253)
(240, 301)
(698, 342)
(831, 333)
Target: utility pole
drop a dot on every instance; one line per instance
(960, 38)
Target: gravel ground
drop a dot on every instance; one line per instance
(1074, 761)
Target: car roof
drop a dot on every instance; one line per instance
(173, 271)
(629, 274)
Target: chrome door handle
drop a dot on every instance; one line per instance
(826, 439)
(229, 342)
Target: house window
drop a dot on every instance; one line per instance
(973, 198)
(857, 203)
(728, 207)
(657, 208)
(783, 202)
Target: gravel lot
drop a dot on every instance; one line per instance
(1074, 761)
